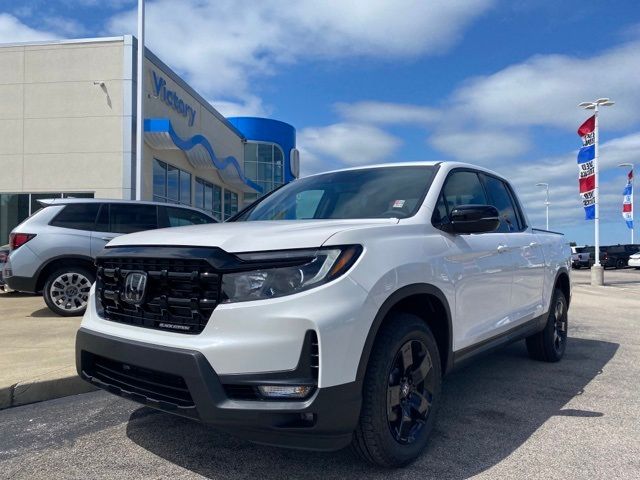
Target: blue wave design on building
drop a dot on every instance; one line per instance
(163, 126)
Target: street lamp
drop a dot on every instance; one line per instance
(630, 166)
(546, 201)
(597, 272)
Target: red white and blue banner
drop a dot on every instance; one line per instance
(586, 167)
(627, 202)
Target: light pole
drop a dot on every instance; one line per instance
(140, 101)
(597, 273)
(630, 165)
(546, 201)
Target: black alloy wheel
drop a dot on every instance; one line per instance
(559, 326)
(550, 344)
(400, 393)
(409, 391)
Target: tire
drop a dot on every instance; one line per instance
(620, 264)
(66, 290)
(550, 344)
(393, 429)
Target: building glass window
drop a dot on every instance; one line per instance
(230, 204)
(208, 197)
(159, 179)
(173, 184)
(170, 184)
(16, 207)
(264, 164)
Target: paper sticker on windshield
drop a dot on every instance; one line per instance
(398, 204)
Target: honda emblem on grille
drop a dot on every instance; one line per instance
(135, 287)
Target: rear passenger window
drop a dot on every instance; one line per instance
(500, 198)
(79, 216)
(130, 218)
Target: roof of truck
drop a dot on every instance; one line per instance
(425, 163)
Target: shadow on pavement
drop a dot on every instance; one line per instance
(44, 313)
(489, 409)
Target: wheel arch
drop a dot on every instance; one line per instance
(563, 282)
(62, 261)
(427, 302)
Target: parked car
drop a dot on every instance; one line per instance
(617, 256)
(580, 257)
(634, 260)
(590, 251)
(53, 251)
(4, 253)
(326, 313)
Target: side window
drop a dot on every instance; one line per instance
(463, 188)
(501, 199)
(178, 217)
(102, 222)
(440, 213)
(79, 216)
(130, 218)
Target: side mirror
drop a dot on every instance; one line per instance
(474, 219)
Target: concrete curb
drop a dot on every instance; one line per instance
(23, 393)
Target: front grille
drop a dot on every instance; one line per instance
(142, 384)
(180, 294)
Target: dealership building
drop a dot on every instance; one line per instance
(68, 129)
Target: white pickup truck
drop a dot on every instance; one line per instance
(327, 313)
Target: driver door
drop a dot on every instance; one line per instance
(478, 265)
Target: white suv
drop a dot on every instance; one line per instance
(327, 313)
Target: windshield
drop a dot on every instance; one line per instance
(382, 192)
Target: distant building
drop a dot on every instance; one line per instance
(67, 128)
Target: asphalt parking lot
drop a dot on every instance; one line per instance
(505, 416)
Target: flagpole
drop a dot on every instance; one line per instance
(630, 179)
(596, 193)
(632, 196)
(140, 101)
(597, 272)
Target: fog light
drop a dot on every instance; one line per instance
(281, 391)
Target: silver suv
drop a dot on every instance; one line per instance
(53, 251)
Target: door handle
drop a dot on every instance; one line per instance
(106, 239)
(502, 248)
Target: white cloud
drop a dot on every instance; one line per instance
(64, 26)
(251, 106)
(387, 113)
(480, 146)
(223, 46)
(13, 30)
(378, 27)
(347, 143)
(545, 90)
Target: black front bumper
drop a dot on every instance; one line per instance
(185, 384)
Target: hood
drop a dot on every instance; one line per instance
(236, 237)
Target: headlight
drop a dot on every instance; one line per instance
(287, 272)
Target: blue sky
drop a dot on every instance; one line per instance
(491, 82)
